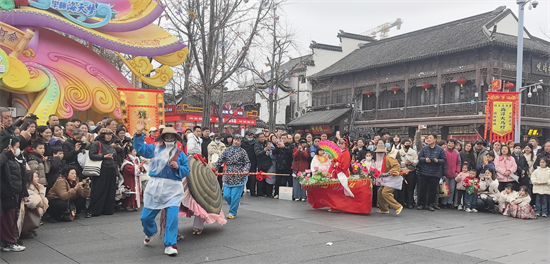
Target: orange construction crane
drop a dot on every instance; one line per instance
(384, 29)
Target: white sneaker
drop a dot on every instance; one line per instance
(148, 240)
(474, 210)
(13, 248)
(460, 207)
(468, 210)
(171, 250)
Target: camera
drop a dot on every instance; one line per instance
(535, 3)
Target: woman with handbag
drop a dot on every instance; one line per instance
(36, 205)
(102, 198)
(66, 196)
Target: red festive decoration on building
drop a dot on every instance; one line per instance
(426, 86)
(496, 85)
(461, 81)
(368, 93)
(395, 89)
(509, 86)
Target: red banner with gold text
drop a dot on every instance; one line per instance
(501, 113)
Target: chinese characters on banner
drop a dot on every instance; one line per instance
(501, 115)
(502, 118)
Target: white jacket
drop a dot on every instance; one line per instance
(507, 197)
(194, 144)
(321, 166)
(411, 155)
(489, 188)
(521, 201)
(541, 180)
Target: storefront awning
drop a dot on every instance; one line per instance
(319, 117)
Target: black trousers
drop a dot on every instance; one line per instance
(220, 179)
(283, 180)
(57, 207)
(374, 195)
(428, 188)
(251, 184)
(486, 204)
(102, 195)
(405, 196)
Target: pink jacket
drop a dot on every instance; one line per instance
(453, 163)
(502, 165)
(461, 176)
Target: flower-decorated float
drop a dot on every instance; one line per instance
(49, 66)
(325, 189)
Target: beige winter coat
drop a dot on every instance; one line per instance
(541, 180)
(489, 188)
(213, 150)
(37, 200)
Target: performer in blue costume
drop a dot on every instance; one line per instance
(168, 167)
(237, 161)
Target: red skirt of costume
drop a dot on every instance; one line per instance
(332, 195)
(521, 212)
(189, 207)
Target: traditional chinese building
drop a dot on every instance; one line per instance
(239, 113)
(437, 76)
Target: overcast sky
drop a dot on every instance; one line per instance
(321, 20)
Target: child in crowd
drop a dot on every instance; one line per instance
(519, 206)
(460, 189)
(506, 196)
(471, 185)
(56, 164)
(488, 162)
(541, 187)
(36, 161)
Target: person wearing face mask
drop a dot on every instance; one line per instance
(168, 167)
(13, 191)
(390, 150)
(409, 160)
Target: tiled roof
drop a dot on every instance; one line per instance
(246, 96)
(318, 117)
(343, 34)
(315, 45)
(465, 34)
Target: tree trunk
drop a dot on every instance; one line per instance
(271, 121)
(207, 107)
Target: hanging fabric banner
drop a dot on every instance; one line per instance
(501, 115)
(146, 104)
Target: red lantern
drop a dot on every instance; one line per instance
(461, 81)
(395, 89)
(426, 86)
(509, 86)
(368, 93)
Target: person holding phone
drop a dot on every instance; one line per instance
(102, 197)
(300, 163)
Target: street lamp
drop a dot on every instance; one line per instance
(519, 62)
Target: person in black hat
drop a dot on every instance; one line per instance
(480, 151)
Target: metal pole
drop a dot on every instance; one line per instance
(519, 68)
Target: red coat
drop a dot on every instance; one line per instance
(300, 160)
(341, 164)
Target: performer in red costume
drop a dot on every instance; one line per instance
(342, 162)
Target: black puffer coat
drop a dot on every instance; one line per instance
(13, 180)
(284, 157)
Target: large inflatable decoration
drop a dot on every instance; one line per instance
(48, 63)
